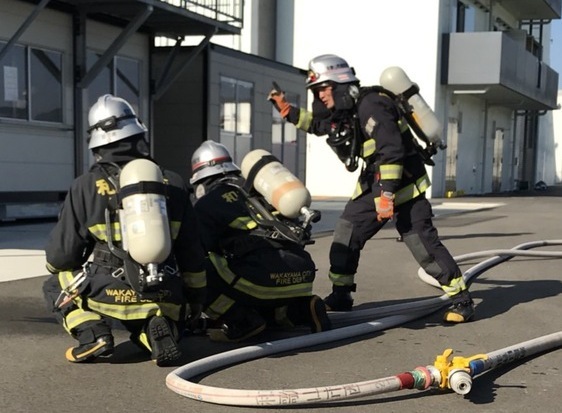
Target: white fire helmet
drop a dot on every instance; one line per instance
(210, 159)
(329, 68)
(111, 119)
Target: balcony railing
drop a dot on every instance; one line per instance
(226, 11)
(498, 67)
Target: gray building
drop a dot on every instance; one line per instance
(57, 57)
(223, 97)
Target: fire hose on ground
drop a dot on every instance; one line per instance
(454, 373)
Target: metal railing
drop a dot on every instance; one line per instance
(227, 11)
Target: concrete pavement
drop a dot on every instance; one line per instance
(516, 301)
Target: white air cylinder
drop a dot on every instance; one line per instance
(144, 217)
(397, 81)
(277, 184)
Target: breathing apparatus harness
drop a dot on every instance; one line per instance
(346, 140)
(139, 278)
(406, 110)
(272, 226)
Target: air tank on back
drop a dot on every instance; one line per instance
(144, 217)
(397, 81)
(276, 183)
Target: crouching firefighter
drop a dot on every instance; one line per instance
(259, 273)
(373, 127)
(125, 246)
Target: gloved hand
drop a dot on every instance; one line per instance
(277, 97)
(196, 299)
(385, 206)
(192, 322)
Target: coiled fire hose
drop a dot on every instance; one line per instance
(456, 373)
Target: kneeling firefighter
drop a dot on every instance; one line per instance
(372, 127)
(125, 246)
(258, 271)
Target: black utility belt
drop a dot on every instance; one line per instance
(107, 259)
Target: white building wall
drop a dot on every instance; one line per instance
(372, 35)
(367, 35)
(557, 131)
(467, 110)
(550, 136)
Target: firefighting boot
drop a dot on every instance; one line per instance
(340, 299)
(95, 340)
(239, 323)
(319, 320)
(462, 309)
(309, 311)
(162, 341)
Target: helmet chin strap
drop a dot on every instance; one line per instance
(345, 95)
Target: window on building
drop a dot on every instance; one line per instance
(236, 103)
(127, 81)
(121, 77)
(46, 85)
(284, 137)
(102, 83)
(466, 18)
(31, 84)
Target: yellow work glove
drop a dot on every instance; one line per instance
(385, 206)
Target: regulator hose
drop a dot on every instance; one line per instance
(422, 377)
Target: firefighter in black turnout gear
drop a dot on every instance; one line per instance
(255, 279)
(366, 124)
(95, 277)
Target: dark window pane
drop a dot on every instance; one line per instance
(102, 84)
(13, 83)
(46, 85)
(127, 81)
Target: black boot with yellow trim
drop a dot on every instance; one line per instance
(95, 340)
(462, 309)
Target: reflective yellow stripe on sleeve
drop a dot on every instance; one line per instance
(305, 119)
(99, 231)
(219, 307)
(194, 279)
(369, 147)
(409, 191)
(392, 171)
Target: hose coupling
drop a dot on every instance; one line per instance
(454, 373)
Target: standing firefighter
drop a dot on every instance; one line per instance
(368, 124)
(136, 223)
(258, 270)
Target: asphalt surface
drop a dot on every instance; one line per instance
(516, 301)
